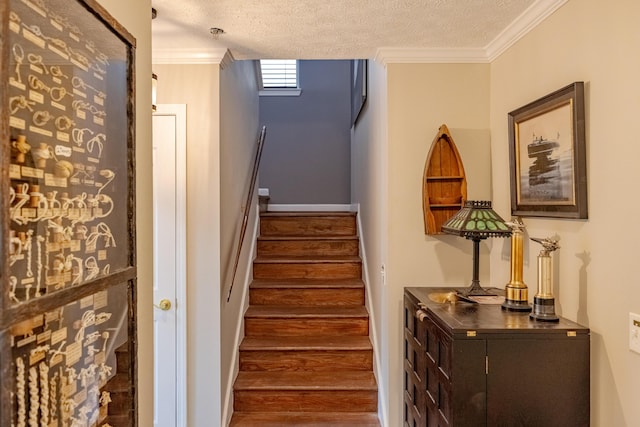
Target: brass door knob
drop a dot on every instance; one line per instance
(164, 304)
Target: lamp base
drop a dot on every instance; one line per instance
(544, 310)
(476, 290)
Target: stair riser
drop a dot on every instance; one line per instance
(123, 362)
(306, 401)
(292, 296)
(307, 247)
(259, 327)
(308, 226)
(317, 361)
(344, 270)
(120, 403)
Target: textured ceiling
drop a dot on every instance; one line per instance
(330, 29)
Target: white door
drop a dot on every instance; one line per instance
(169, 210)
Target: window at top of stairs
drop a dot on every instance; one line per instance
(279, 77)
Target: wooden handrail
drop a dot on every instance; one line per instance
(247, 206)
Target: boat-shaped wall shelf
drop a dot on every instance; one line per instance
(444, 184)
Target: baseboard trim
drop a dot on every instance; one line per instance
(227, 409)
(310, 208)
(382, 391)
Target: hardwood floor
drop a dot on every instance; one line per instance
(306, 359)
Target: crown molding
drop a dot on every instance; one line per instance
(387, 55)
(523, 24)
(227, 59)
(527, 21)
(220, 56)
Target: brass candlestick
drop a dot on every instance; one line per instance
(517, 293)
(543, 301)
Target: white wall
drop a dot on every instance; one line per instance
(389, 156)
(222, 130)
(238, 143)
(368, 190)
(135, 17)
(198, 86)
(421, 98)
(597, 282)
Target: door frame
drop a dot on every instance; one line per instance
(180, 113)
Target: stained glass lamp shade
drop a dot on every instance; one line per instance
(476, 221)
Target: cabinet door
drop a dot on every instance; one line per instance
(541, 381)
(455, 379)
(468, 383)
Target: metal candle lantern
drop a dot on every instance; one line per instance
(517, 293)
(543, 301)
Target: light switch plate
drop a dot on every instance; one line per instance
(634, 332)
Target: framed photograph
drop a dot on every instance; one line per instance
(358, 87)
(547, 156)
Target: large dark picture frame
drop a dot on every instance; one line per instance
(68, 276)
(359, 79)
(547, 156)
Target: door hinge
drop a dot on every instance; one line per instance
(486, 365)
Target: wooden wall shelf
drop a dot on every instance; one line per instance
(444, 183)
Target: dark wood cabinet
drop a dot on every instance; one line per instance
(478, 365)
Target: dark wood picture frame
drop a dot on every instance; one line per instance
(359, 81)
(67, 76)
(547, 154)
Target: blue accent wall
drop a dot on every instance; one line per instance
(307, 154)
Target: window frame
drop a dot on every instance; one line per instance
(278, 91)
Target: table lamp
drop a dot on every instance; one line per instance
(476, 221)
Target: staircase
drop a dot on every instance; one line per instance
(306, 359)
(118, 410)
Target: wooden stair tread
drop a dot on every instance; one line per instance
(118, 383)
(300, 381)
(303, 237)
(306, 419)
(323, 214)
(306, 283)
(308, 343)
(116, 420)
(303, 259)
(289, 311)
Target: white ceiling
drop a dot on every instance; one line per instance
(341, 29)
